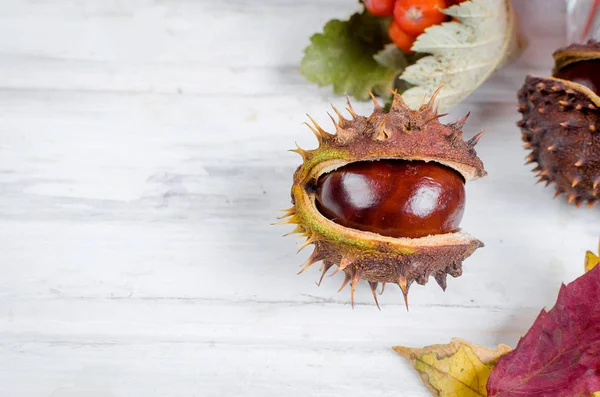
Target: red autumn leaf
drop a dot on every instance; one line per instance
(560, 354)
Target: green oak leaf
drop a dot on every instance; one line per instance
(343, 56)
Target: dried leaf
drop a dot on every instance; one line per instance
(560, 354)
(591, 259)
(458, 369)
(463, 55)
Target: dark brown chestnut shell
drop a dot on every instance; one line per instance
(560, 126)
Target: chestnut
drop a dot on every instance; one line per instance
(395, 198)
(561, 123)
(382, 197)
(586, 73)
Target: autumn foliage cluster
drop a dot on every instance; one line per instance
(559, 355)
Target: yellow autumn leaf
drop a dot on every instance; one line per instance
(458, 369)
(592, 260)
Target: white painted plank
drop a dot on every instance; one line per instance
(180, 347)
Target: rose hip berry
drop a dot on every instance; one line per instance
(393, 198)
(380, 8)
(414, 16)
(403, 40)
(586, 73)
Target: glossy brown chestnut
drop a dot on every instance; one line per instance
(586, 73)
(394, 198)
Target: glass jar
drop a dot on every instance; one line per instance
(583, 20)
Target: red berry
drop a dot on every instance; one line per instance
(414, 16)
(402, 40)
(380, 8)
(586, 73)
(394, 198)
(450, 3)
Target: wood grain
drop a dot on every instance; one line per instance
(142, 159)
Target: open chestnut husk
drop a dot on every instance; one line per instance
(382, 197)
(561, 120)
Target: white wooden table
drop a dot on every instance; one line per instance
(143, 157)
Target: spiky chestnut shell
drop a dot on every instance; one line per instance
(403, 134)
(560, 126)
